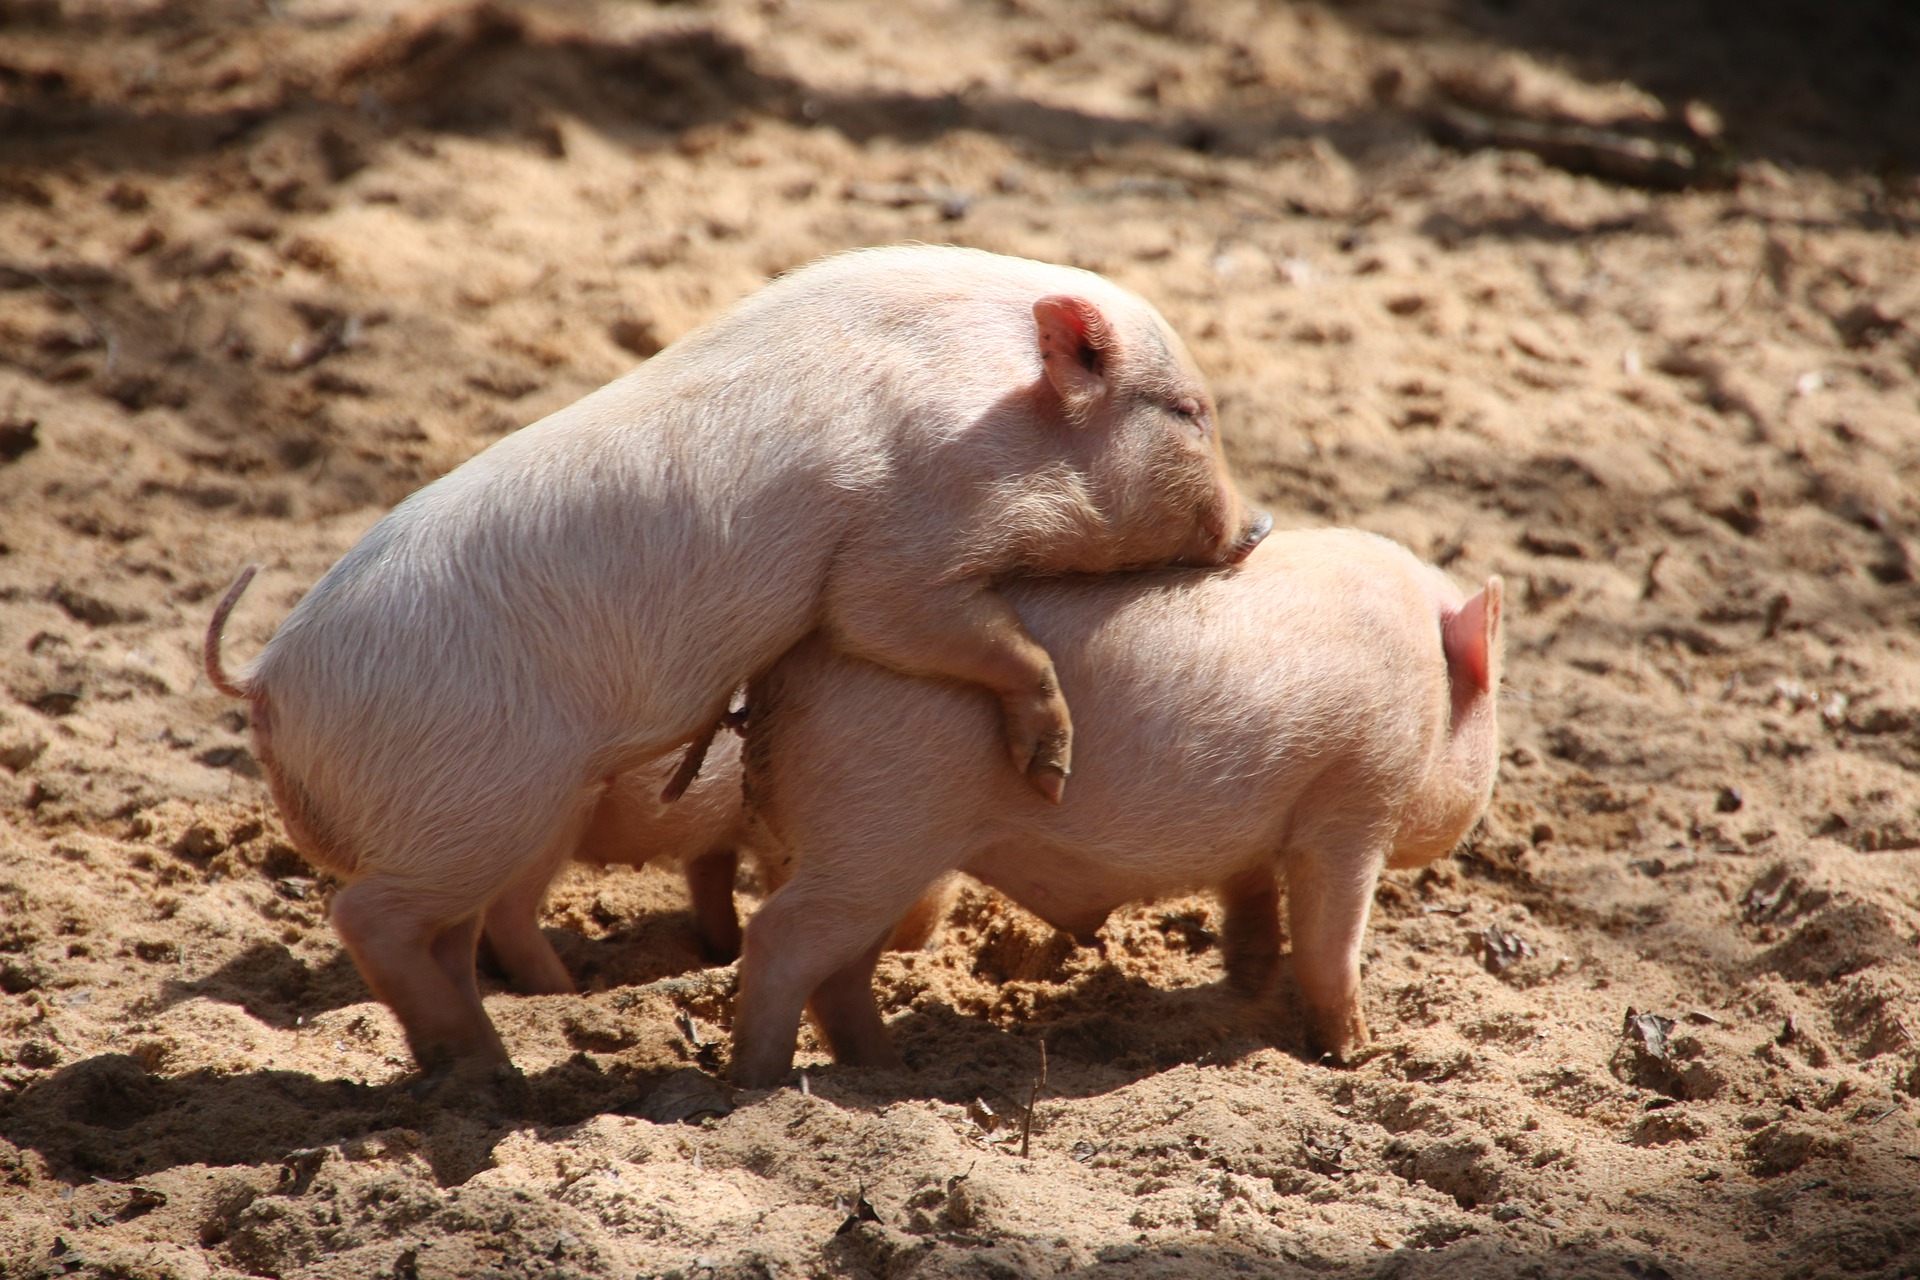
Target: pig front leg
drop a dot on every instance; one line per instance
(967, 631)
(710, 886)
(1250, 939)
(1329, 893)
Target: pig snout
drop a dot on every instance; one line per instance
(1250, 537)
(1228, 534)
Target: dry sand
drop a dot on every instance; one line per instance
(266, 267)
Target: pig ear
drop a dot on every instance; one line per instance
(1471, 637)
(1076, 347)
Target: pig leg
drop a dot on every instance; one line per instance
(914, 932)
(414, 935)
(1250, 943)
(453, 950)
(811, 930)
(1329, 892)
(513, 931)
(848, 1016)
(967, 631)
(710, 886)
(421, 965)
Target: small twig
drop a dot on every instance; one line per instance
(1033, 1100)
(1815, 1185)
(1753, 283)
(85, 312)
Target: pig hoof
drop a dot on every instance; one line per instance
(507, 1093)
(1342, 1051)
(424, 1089)
(474, 1086)
(1050, 780)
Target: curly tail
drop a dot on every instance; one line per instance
(217, 673)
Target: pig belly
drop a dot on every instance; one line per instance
(632, 825)
(1075, 892)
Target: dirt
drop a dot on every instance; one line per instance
(1621, 301)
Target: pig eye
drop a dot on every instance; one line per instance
(1188, 408)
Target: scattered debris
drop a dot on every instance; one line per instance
(953, 205)
(1501, 949)
(142, 1200)
(1579, 148)
(1033, 1100)
(1648, 1032)
(860, 1211)
(18, 436)
(686, 1096)
(1326, 1153)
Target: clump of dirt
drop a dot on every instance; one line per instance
(1632, 321)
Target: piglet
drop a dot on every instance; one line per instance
(865, 447)
(1322, 711)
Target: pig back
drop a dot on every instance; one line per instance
(1230, 707)
(1213, 708)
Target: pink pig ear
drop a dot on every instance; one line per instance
(1471, 638)
(1076, 347)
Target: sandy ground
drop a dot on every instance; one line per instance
(1622, 302)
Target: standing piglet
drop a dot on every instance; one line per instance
(867, 447)
(1324, 710)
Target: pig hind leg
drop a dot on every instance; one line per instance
(847, 1014)
(513, 933)
(420, 964)
(816, 928)
(1329, 893)
(414, 934)
(916, 929)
